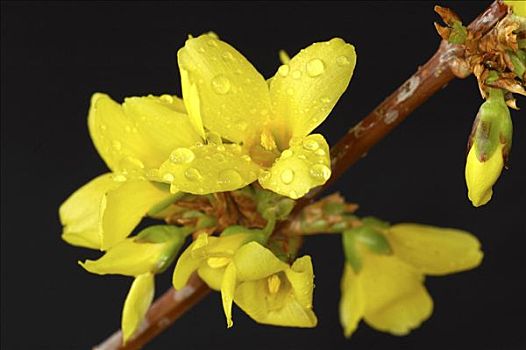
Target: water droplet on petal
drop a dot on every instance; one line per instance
(311, 145)
(325, 99)
(265, 175)
(212, 42)
(230, 177)
(221, 85)
(320, 171)
(287, 176)
(315, 67)
(218, 157)
(286, 154)
(343, 61)
(283, 70)
(167, 98)
(103, 127)
(116, 145)
(293, 194)
(296, 74)
(227, 56)
(246, 158)
(221, 148)
(130, 163)
(168, 177)
(192, 174)
(119, 178)
(182, 156)
(320, 152)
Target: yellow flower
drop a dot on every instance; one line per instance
(388, 290)
(265, 126)
(267, 289)
(133, 139)
(150, 252)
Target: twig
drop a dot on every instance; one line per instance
(428, 79)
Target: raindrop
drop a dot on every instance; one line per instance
(192, 174)
(311, 145)
(182, 156)
(231, 178)
(284, 70)
(167, 98)
(168, 177)
(227, 56)
(320, 171)
(315, 67)
(286, 154)
(287, 176)
(116, 145)
(325, 99)
(119, 178)
(320, 152)
(212, 42)
(103, 127)
(343, 61)
(219, 157)
(246, 158)
(221, 148)
(221, 85)
(296, 74)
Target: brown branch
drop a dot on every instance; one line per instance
(431, 77)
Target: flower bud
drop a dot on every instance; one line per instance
(488, 147)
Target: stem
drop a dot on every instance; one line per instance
(425, 82)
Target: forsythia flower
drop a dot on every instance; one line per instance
(490, 145)
(150, 252)
(132, 138)
(265, 126)
(386, 289)
(267, 289)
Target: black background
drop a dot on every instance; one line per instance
(55, 55)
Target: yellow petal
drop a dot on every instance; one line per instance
(301, 278)
(124, 207)
(136, 305)
(253, 262)
(306, 164)
(305, 90)
(352, 302)
(188, 262)
(213, 277)
(481, 176)
(209, 168)
(140, 134)
(228, 287)
(519, 7)
(220, 85)
(397, 301)
(253, 298)
(80, 213)
(433, 250)
(130, 258)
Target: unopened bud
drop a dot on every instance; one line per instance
(489, 146)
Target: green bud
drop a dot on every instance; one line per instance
(459, 33)
(492, 126)
(367, 236)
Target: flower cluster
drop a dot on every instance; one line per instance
(236, 133)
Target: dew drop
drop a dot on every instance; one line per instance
(287, 176)
(286, 154)
(218, 157)
(227, 56)
(221, 85)
(264, 176)
(103, 127)
(221, 148)
(325, 99)
(230, 177)
(119, 178)
(343, 61)
(182, 156)
(283, 70)
(212, 43)
(296, 74)
(129, 163)
(320, 152)
(116, 145)
(320, 171)
(293, 194)
(311, 145)
(246, 158)
(167, 98)
(315, 67)
(192, 174)
(168, 177)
